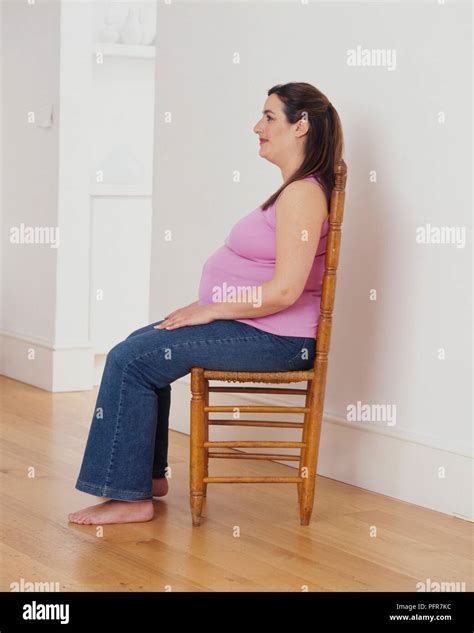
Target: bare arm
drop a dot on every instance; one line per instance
(301, 210)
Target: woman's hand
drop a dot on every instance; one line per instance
(193, 314)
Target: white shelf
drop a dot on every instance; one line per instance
(112, 191)
(124, 50)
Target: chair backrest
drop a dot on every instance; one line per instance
(336, 215)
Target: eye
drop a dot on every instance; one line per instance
(269, 118)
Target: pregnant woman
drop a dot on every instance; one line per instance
(257, 310)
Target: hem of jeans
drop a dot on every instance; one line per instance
(112, 493)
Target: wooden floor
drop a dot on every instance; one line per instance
(274, 552)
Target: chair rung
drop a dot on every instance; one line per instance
(257, 409)
(253, 480)
(260, 390)
(291, 458)
(269, 423)
(253, 444)
(266, 377)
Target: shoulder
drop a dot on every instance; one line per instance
(304, 197)
(303, 188)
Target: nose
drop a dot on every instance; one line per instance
(256, 128)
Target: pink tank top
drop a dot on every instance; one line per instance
(247, 259)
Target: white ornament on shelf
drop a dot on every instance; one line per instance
(131, 32)
(111, 32)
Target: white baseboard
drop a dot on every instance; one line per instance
(41, 364)
(398, 466)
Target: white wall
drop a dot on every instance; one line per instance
(2, 234)
(46, 55)
(30, 163)
(63, 306)
(384, 351)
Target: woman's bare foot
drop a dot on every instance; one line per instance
(114, 511)
(160, 487)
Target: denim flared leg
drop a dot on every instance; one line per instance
(160, 454)
(125, 448)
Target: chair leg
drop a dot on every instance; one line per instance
(206, 434)
(304, 435)
(197, 451)
(309, 463)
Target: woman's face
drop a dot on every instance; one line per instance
(277, 139)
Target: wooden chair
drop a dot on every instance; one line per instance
(314, 392)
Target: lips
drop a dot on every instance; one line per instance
(263, 140)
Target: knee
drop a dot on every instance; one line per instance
(121, 354)
(140, 329)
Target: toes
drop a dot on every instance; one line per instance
(79, 517)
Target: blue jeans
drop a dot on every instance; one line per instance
(127, 444)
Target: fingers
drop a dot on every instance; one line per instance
(168, 324)
(173, 323)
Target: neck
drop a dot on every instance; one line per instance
(291, 166)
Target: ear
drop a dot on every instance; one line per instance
(302, 127)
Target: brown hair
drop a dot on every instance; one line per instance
(324, 143)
